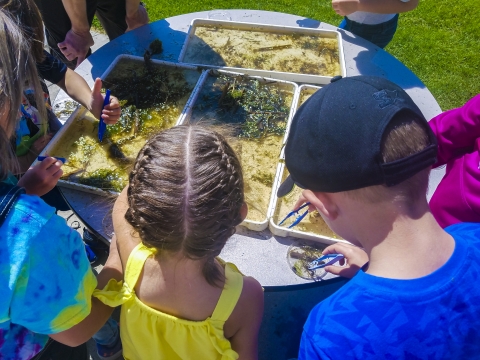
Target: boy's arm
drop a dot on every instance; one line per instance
(346, 7)
(457, 130)
(248, 314)
(77, 88)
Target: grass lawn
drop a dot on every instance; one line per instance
(439, 41)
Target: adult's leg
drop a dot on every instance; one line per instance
(379, 34)
(57, 24)
(111, 14)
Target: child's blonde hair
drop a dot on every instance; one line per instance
(27, 16)
(17, 67)
(185, 194)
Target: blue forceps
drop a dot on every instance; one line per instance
(292, 213)
(325, 260)
(102, 126)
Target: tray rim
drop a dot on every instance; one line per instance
(287, 76)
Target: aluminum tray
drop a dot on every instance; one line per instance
(80, 112)
(282, 230)
(250, 224)
(288, 76)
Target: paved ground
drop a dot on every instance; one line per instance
(100, 40)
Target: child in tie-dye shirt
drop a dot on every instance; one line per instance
(45, 278)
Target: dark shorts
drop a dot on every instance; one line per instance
(379, 34)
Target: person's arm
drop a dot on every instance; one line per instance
(136, 14)
(78, 40)
(248, 314)
(457, 130)
(100, 312)
(77, 88)
(346, 7)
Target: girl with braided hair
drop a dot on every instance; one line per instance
(179, 301)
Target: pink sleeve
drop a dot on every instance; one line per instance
(456, 130)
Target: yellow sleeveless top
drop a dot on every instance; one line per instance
(150, 334)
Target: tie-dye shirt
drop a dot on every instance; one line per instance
(46, 281)
(432, 317)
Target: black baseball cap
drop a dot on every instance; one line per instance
(335, 138)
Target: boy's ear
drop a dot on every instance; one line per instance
(323, 203)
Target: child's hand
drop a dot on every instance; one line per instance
(355, 256)
(111, 113)
(302, 200)
(41, 178)
(345, 7)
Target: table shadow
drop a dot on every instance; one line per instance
(308, 23)
(375, 61)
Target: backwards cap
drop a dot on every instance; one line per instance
(336, 137)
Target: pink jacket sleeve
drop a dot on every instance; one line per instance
(457, 130)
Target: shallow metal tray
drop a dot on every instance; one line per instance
(80, 112)
(288, 76)
(250, 224)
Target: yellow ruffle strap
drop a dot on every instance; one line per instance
(114, 294)
(219, 342)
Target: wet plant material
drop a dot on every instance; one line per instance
(258, 113)
(259, 109)
(151, 86)
(305, 94)
(65, 108)
(300, 255)
(105, 179)
(284, 52)
(312, 223)
(154, 48)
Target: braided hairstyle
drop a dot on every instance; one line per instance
(185, 194)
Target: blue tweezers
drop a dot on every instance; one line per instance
(293, 213)
(325, 260)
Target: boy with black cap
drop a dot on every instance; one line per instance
(362, 151)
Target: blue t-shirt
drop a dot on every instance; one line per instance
(433, 317)
(46, 281)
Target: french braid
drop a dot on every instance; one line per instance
(185, 194)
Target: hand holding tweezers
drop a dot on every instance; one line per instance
(325, 260)
(293, 213)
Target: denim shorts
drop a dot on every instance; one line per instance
(379, 34)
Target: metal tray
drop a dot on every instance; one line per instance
(81, 113)
(250, 224)
(303, 90)
(288, 76)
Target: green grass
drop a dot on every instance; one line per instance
(439, 41)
